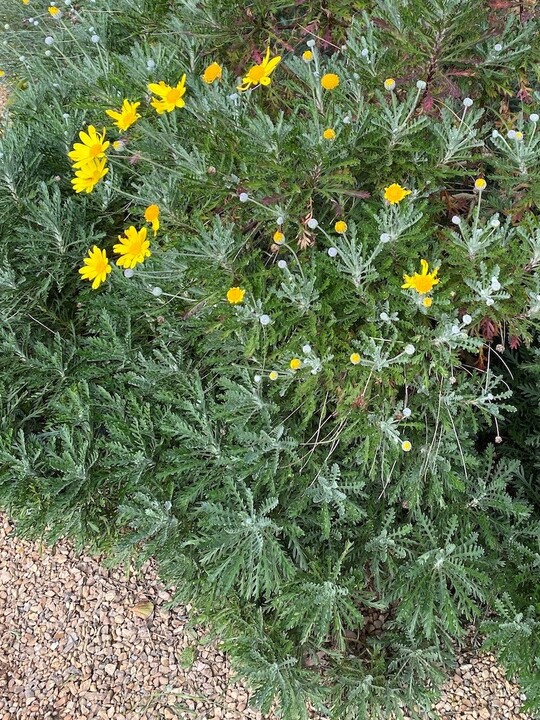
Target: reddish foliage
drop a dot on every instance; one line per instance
(488, 329)
(514, 342)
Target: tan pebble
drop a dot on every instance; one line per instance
(110, 668)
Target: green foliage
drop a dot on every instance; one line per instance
(292, 505)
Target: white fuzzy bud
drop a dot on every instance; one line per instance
(421, 84)
(243, 197)
(385, 237)
(282, 264)
(456, 220)
(466, 319)
(409, 349)
(49, 40)
(95, 39)
(129, 273)
(265, 320)
(407, 412)
(306, 349)
(311, 43)
(312, 223)
(467, 102)
(157, 291)
(332, 252)
(533, 118)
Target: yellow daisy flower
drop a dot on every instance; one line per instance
(212, 73)
(88, 176)
(125, 118)
(151, 215)
(295, 364)
(260, 74)
(329, 134)
(133, 247)
(395, 193)
(330, 81)
(406, 446)
(340, 227)
(235, 295)
(96, 267)
(422, 282)
(171, 97)
(91, 147)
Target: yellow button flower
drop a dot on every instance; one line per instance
(330, 81)
(235, 295)
(133, 247)
(406, 446)
(422, 282)
(171, 97)
(91, 147)
(307, 56)
(427, 302)
(355, 358)
(25, 2)
(125, 118)
(329, 134)
(279, 237)
(53, 11)
(389, 84)
(340, 227)
(295, 364)
(212, 73)
(88, 176)
(260, 74)
(480, 184)
(2, 73)
(395, 193)
(96, 267)
(151, 215)
(273, 375)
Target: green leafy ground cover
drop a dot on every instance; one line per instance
(260, 404)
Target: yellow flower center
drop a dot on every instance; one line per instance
(256, 73)
(173, 96)
(423, 283)
(100, 264)
(330, 81)
(96, 150)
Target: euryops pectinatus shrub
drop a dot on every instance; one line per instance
(258, 269)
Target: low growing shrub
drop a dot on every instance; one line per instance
(303, 248)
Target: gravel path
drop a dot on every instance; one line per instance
(73, 646)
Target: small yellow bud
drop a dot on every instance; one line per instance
(295, 364)
(406, 446)
(480, 184)
(307, 56)
(340, 227)
(355, 358)
(329, 134)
